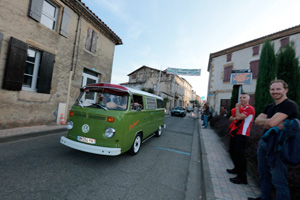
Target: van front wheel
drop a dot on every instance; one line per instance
(158, 132)
(136, 146)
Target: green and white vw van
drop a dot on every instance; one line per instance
(109, 119)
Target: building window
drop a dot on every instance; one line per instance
(255, 50)
(49, 15)
(91, 40)
(31, 70)
(254, 66)
(27, 68)
(228, 58)
(133, 76)
(46, 12)
(225, 103)
(227, 73)
(89, 77)
(154, 87)
(284, 42)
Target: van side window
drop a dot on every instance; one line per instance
(160, 103)
(137, 103)
(150, 103)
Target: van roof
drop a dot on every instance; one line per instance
(120, 87)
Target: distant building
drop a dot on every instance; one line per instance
(176, 90)
(48, 50)
(242, 56)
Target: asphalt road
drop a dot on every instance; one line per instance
(42, 168)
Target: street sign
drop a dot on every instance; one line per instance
(241, 77)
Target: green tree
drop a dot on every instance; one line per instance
(195, 103)
(267, 73)
(234, 98)
(288, 70)
(150, 90)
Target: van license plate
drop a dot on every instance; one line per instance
(86, 140)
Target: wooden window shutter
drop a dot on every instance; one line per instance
(89, 39)
(228, 57)
(284, 41)
(94, 42)
(255, 50)
(65, 24)
(35, 10)
(15, 65)
(254, 66)
(45, 73)
(227, 73)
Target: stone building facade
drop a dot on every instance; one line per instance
(48, 50)
(244, 56)
(176, 89)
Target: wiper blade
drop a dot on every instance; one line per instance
(103, 107)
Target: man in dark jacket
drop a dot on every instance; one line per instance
(274, 172)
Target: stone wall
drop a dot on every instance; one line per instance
(24, 108)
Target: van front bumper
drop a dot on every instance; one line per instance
(90, 148)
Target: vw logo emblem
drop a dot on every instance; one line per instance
(85, 128)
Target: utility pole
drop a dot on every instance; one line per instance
(158, 84)
(173, 92)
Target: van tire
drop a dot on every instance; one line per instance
(136, 146)
(158, 132)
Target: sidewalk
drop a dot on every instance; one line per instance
(215, 162)
(7, 135)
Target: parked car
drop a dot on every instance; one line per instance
(179, 111)
(189, 109)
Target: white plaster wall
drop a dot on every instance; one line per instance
(240, 60)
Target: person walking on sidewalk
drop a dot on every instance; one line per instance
(195, 112)
(240, 131)
(205, 113)
(274, 172)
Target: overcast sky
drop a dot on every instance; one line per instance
(183, 33)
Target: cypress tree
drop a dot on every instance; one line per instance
(267, 73)
(234, 98)
(288, 70)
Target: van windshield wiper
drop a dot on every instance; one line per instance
(103, 107)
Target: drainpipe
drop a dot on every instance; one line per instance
(72, 64)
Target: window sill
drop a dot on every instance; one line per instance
(33, 96)
(89, 52)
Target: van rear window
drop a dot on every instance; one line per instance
(160, 103)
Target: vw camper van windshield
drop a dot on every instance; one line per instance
(103, 98)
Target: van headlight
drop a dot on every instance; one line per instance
(109, 132)
(70, 125)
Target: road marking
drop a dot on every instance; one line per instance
(181, 152)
